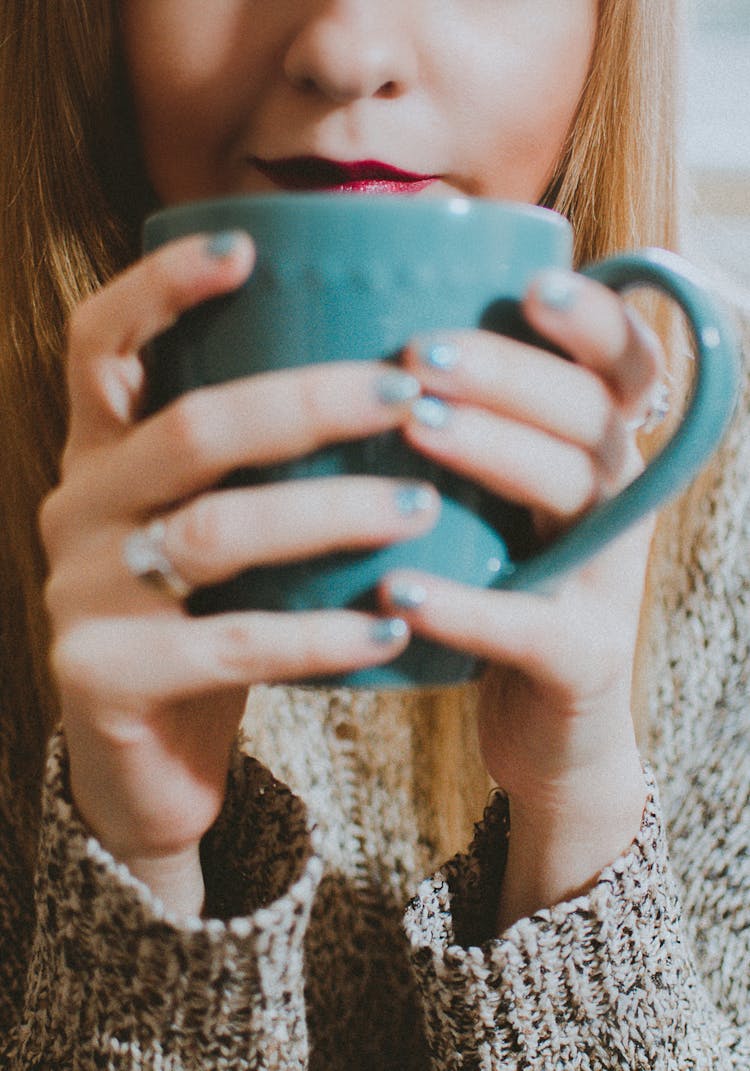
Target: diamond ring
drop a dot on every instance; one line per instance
(147, 560)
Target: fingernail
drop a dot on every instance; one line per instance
(389, 630)
(223, 244)
(438, 354)
(558, 290)
(431, 412)
(395, 388)
(413, 498)
(407, 596)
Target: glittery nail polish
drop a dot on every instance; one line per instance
(396, 388)
(389, 630)
(439, 354)
(407, 596)
(413, 498)
(431, 412)
(222, 244)
(558, 290)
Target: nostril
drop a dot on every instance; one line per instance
(329, 57)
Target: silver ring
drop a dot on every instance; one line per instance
(146, 559)
(657, 411)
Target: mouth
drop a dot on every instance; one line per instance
(362, 176)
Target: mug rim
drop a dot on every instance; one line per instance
(298, 202)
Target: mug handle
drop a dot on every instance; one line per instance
(707, 416)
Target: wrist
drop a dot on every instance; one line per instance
(177, 880)
(588, 793)
(560, 841)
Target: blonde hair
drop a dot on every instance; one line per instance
(72, 195)
(618, 183)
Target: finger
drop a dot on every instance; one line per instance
(257, 421)
(519, 629)
(516, 461)
(515, 380)
(131, 662)
(108, 330)
(218, 535)
(514, 627)
(525, 384)
(597, 329)
(215, 537)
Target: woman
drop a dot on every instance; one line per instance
(566, 888)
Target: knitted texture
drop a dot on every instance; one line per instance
(604, 981)
(115, 982)
(306, 963)
(699, 740)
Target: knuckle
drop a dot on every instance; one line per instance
(236, 648)
(603, 410)
(54, 595)
(254, 649)
(581, 489)
(190, 428)
(603, 327)
(201, 529)
(71, 666)
(160, 280)
(51, 516)
(610, 449)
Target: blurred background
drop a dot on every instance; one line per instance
(716, 133)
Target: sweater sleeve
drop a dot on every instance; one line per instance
(114, 982)
(604, 981)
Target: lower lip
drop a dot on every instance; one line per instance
(295, 183)
(381, 186)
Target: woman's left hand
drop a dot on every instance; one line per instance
(555, 436)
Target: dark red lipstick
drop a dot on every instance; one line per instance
(361, 176)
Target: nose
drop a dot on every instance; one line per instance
(347, 50)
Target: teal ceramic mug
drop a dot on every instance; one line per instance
(351, 277)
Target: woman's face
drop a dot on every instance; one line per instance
(429, 97)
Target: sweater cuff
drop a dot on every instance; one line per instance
(121, 983)
(602, 980)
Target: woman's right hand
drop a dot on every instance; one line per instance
(151, 697)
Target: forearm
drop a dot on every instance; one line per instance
(104, 948)
(558, 844)
(606, 979)
(177, 881)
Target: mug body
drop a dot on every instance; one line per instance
(355, 278)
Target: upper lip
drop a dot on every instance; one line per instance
(317, 172)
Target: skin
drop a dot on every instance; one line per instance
(481, 94)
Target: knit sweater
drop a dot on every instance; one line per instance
(332, 941)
